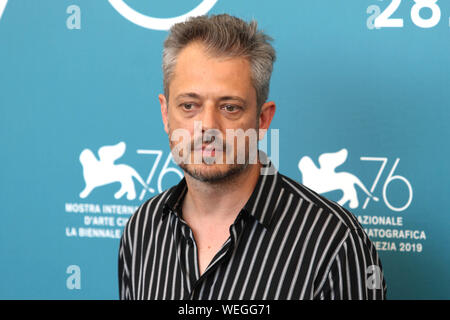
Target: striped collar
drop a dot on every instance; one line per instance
(261, 204)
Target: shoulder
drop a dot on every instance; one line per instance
(350, 238)
(326, 206)
(147, 215)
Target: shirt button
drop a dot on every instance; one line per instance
(189, 241)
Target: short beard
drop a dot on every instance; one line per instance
(232, 171)
(215, 177)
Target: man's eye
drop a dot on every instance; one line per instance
(188, 106)
(230, 108)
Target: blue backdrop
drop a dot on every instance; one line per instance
(368, 78)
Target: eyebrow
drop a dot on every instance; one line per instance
(233, 98)
(188, 95)
(197, 96)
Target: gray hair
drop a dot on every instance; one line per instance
(224, 36)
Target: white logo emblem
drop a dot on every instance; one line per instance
(2, 6)
(325, 178)
(103, 171)
(159, 23)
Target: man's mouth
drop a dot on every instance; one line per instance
(208, 150)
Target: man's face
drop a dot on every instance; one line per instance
(216, 93)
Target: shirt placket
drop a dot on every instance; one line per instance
(220, 257)
(186, 256)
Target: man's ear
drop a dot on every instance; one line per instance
(164, 111)
(265, 117)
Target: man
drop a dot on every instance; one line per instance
(230, 229)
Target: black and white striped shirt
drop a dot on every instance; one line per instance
(288, 242)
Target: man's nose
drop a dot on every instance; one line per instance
(209, 117)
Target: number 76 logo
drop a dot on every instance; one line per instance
(391, 177)
(325, 178)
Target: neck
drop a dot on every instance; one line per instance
(219, 201)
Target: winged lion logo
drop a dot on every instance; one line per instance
(103, 171)
(325, 178)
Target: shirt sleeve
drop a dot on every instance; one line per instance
(124, 268)
(355, 272)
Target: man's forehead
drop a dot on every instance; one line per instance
(198, 73)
